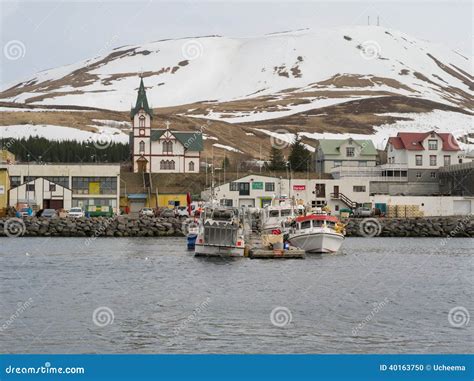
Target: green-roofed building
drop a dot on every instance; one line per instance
(332, 153)
(161, 150)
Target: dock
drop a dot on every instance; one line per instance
(255, 250)
(259, 253)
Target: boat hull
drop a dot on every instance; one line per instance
(191, 239)
(201, 250)
(320, 242)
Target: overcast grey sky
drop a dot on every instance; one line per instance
(56, 33)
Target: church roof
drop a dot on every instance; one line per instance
(191, 140)
(142, 102)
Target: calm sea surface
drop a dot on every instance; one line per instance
(149, 295)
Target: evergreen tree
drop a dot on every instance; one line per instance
(277, 160)
(226, 163)
(300, 157)
(37, 149)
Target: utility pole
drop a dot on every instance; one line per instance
(378, 21)
(368, 20)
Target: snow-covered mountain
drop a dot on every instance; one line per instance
(355, 80)
(216, 68)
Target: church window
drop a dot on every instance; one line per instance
(141, 121)
(191, 166)
(167, 147)
(142, 147)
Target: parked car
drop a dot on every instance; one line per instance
(75, 213)
(182, 211)
(362, 211)
(24, 212)
(49, 213)
(167, 213)
(146, 212)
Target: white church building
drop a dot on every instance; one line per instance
(161, 150)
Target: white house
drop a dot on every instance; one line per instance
(161, 150)
(422, 153)
(43, 193)
(258, 190)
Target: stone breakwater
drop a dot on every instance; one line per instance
(443, 227)
(91, 227)
(462, 226)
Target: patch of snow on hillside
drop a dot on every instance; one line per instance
(60, 133)
(255, 116)
(113, 123)
(442, 121)
(287, 137)
(228, 148)
(209, 137)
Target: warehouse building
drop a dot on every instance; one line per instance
(64, 185)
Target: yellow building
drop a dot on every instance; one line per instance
(6, 157)
(172, 200)
(4, 187)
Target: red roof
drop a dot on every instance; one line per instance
(317, 217)
(412, 141)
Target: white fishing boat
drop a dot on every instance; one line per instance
(317, 233)
(221, 233)
(274, 216)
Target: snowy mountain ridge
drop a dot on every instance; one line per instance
(183, 71)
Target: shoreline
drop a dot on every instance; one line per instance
(441, 227)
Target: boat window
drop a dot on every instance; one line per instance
(222, 215)
(330, 224)
(317, 224)
(285, 212)
(306, 225)
(273, 213)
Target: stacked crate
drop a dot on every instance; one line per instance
(411, 211)
(404, 211)
(401, 211)
(391, 211)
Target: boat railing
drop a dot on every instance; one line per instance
(220, 235)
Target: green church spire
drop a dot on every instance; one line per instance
(142, 102)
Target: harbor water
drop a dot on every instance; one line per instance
(150, 295)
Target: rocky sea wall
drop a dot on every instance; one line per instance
(121, 226)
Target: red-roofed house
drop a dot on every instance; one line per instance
(422, 153)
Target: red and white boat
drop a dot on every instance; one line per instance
(317, 233)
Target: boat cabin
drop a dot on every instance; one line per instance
(315, 221)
